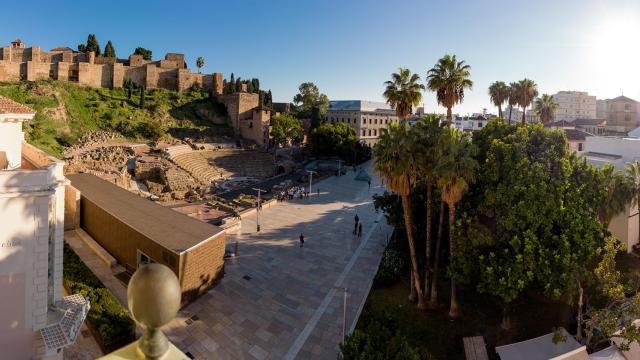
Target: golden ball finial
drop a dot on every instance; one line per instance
(153, 295)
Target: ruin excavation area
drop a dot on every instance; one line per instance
(209, 181)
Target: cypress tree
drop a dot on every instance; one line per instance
(238, 84)
(141, 97)
(250, 86)
(93, 45)
(109, 50)
(232, 84)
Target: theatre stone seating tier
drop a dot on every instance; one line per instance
(209, 166)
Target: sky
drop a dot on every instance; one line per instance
(349, 48)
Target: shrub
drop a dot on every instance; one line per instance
(390, 268)
(110, 321)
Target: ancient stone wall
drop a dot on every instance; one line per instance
(85, 68)
(240, 107)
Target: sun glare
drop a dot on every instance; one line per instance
(614, 52)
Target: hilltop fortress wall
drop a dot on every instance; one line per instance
(20, 63)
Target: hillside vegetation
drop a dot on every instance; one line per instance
(66, 110)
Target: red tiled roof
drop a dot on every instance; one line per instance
(8, 106)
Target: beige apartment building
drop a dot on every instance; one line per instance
(622, 114)
(574, 105)
(367, 118)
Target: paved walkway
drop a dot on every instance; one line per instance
(280, 301)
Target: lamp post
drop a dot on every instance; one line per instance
(258, 207)
(311, 172)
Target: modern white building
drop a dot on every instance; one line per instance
(367, 118)
(474, 122)
(37, 321)
(618, 151)
(574, 105)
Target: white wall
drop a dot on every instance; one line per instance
(11, 138)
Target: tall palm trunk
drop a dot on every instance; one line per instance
(436, 260)
(453, 309)
(408, 223)
(510, 110)
(524, 116)
(449, 117)
(500, 111)
(427, 266)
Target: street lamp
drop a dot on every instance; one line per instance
(311, 172)
(258, 207)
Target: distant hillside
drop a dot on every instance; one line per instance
(66, 110)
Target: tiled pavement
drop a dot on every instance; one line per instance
(280, 301)
(292, 305)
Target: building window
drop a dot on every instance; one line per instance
(364, 132)
(579, 146)
(369, 132)
(369, 121)
(375, 132)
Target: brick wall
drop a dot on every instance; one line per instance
(202, 267)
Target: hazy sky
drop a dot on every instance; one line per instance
(349, 47)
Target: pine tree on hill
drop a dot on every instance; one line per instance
(109, 50)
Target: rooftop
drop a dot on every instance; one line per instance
(574, 134)
(8, 106)
(358, 105)
(166, 227)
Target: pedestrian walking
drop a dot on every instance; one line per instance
(369, 182)
(301, 240)
(360, 230)
(355, 226)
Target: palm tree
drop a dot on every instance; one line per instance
(394, 162)
(403, 92)
(499, 93)
(199, 63)
(456, 170)
(427, 134)
(545, 108)
(449, 78)
(527, 91)
(512, 98)
(633, 174)
(619, 192)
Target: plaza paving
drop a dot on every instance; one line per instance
(278, 300)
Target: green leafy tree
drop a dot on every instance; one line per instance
(285, 129)
(527, 90)
(395, 163)
(199, 63)
(308, 97)
(499, 93)
(109, 50)
(337, 139)
(527, 221)
(449, 78)
(403, 92)
(146, 53)
(545, 108)
(129, 85)
(615, 320)
(456, 171)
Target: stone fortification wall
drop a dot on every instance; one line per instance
(85, 68)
